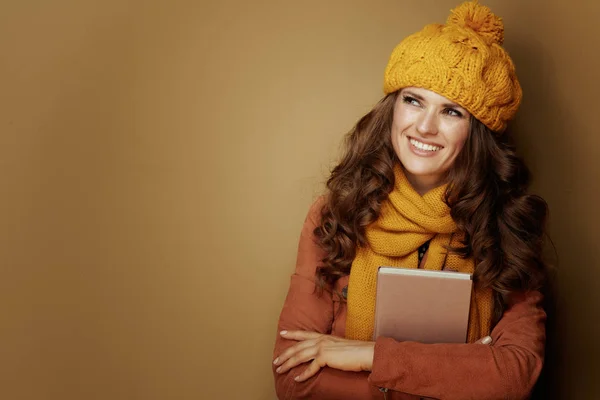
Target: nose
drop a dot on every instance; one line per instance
(428, 123)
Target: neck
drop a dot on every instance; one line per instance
(423, 183)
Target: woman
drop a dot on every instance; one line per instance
(428, 180)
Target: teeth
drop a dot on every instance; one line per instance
(423, 146)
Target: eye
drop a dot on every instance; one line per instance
(411, 101)
(452, 112)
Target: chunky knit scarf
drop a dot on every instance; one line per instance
(406, 222)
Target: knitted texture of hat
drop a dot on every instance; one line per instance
(463, 61)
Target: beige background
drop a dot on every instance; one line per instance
(157, 160)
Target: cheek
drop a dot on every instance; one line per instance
(457, 143)
(459, 137)
(400, 126)
(402, 119)
(396, 134)
(460, 145)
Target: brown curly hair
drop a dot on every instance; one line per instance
(503, 225)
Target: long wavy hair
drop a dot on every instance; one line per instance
(503, 224)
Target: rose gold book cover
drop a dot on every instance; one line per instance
(422, 305)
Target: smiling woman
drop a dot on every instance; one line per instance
(429, 180)
(428, 132)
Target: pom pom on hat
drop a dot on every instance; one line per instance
(479, 19)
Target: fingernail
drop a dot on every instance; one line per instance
(297, 378)
(276, 360)
(283, 332)
(278, 369)
(486, 340)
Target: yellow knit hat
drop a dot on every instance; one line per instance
(463, 61)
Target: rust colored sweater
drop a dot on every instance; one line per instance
(507, 369)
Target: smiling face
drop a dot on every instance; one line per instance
(428, 132)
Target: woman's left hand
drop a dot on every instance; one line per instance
(324, 350)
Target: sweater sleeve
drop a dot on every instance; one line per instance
(507, 369)
(305, 310)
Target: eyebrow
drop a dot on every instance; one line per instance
(418, 97)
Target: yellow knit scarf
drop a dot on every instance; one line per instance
(406, 222)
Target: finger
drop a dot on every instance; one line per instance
(485, 340)
(300, 335)
(298, 358)
(309, 372)
(290, 351)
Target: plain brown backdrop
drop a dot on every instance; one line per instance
(157, 159)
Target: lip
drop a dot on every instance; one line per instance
(424, 141)
(419, 152)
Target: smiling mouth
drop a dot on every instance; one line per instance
(424, 146)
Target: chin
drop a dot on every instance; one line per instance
(420, 168)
